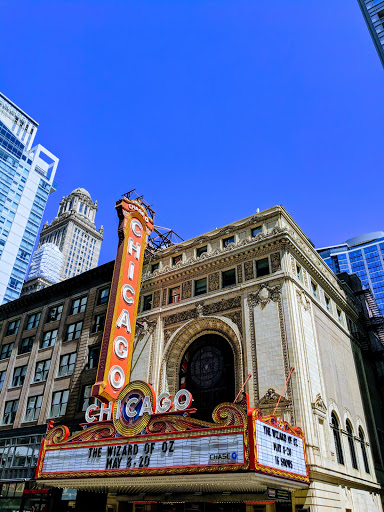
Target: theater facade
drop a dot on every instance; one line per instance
(231, 379)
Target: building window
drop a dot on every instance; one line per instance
(6, 351)
(229, 240)
(327, 303)
(13, 327)
(351, 443)
(26, 345)
(67, 364)
(155, 266)
(78, 306)
(33, 321)
(54, 313)
(33, 409)
(73, 331)
(228, 277)
(98, 323)
(2, 378)
(201, 286)
(339, 315)
(363, 450)
(262, 267)
(103, 296)
(201, 250)
(19, 376)
(256, 230)
(93, 357)
(299, 273)
(177, 259)
(337, 439)
(86, 399)
(314, 289)
(147, 302)
(10, 410)
(42, 369)
(49, 339)
(174, 295)
(59, 403)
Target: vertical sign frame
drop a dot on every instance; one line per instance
(113, 373)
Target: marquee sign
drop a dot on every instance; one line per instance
(135, 226)
(279, 449)
(168, 442)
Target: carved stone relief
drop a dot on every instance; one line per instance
(186, 290)
(264, 295)
(213, 281)
(239, 273)
(156, 299)
(303, 300)
(319, 406)
(268, 402)
(249, 272)
(275, 262)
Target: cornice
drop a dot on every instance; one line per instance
(74, 217)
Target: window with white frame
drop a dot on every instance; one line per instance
(33, 321)
(19, 376)
(33, 409)
(49, 339)
(73, 331)
(10, 410)
(78, 306)
(59, 403)
(67, 364)
(41, 371)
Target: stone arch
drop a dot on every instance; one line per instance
(186, 335)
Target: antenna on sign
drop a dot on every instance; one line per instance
(285, 385)
(242, 387)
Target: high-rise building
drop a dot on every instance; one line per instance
(364, 256)
(44, 270)
(74, 232)
(26, 180)
(373, 12)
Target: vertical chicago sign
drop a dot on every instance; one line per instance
(135, 226)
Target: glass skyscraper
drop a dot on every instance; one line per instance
(363, 256)
(26, 180)
(373, 12)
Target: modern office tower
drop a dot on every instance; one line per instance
(373, 12)
(364, 256)
(74, 231)
(45, 269)
(26, 180)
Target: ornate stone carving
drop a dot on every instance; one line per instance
(200, 309)
(239, 273)
(318, 405)
(249, 272)
(168, 333)
(213, 281)
(275, 262)
(303, 300)
(222, 305)
(264, 295)
(164, 302)
(186, 292)
(182, 316)
(268, 402)
(236, 318)
(156, 299)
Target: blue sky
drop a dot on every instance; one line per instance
(211, 109)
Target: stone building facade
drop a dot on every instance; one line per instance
(254, 298)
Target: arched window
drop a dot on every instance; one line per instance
(364, 450)
(207, 371)
(336, 435)
(351, 444)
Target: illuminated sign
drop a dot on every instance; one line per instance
(209, 450)
(279, 448)
(135, 405)
(117, 346)
(170, 442)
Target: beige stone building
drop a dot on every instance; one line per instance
(254, 298)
